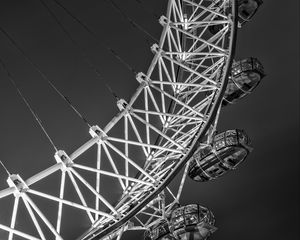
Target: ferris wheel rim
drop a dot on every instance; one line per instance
(164, 177)
(198, 136)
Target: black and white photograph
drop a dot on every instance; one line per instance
(149, 120)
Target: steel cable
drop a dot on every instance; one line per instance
(43, 75)
(112, 51)
(10, 77)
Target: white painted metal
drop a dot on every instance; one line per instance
(147, 140)
(13, 217)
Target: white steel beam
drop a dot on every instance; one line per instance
(19, 233)
(13, 217)
(33, 218)
(69, 203)
(42, 216)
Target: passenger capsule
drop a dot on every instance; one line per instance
(245, 77)
(228, 150)
(192, 222)
(160, 231)
(247, 9)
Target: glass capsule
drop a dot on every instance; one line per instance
(245, 76)
(228, 150)
(192, 222)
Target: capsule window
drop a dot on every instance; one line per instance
(220, 144)
(178, 222)
(202, 177)
(231, 141)
(247, 8)
(240, 155)
(232, 161)
(191, 219)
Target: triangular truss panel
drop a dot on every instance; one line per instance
(118, 179)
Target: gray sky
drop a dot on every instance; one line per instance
(258, 201)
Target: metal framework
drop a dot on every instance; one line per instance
(173, 111)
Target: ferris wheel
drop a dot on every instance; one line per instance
(167, 129)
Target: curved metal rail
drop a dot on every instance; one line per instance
(204, 63)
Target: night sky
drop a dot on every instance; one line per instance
(257, 201)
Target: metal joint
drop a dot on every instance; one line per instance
(163, 20)
(123, 106)
(14, 180)
(96, 131)
(62, 157)
(143, 79)
(155, 48)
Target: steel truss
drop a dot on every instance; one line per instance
(173, 111)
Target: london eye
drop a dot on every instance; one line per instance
(167, 129)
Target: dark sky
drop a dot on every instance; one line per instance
(258, 201)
